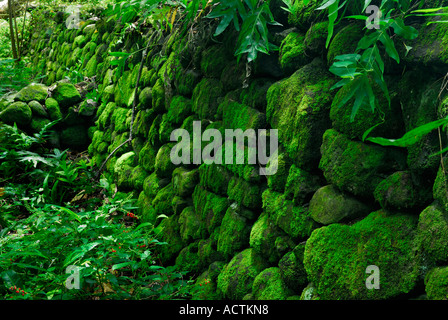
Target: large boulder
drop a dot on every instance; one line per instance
(330, 205)
(17, 112)
(66, 94)
(299, 107)
(337, 256)
(357, 167)
(34, 91)
(237, 277)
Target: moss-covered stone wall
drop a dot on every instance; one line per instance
(336, 204)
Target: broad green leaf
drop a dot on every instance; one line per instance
(122, 265)
(390, 46)
(410, 137)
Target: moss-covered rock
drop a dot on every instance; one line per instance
(269, 285)
(38, 123)
(400, 191)
(387, 118)
(205, 98)
(236, 278)
(213, 61)
(191, 225)
(315, 38)
(210, 206)
(37, 109)
(294, 220)
(34, 91)
(184, 181)
(301, 185)
(298, 107)
(214, 178)
(432, 234)
(436, 284)
(238, 116)
(163, 166)
(419, 97)
(147, 157)
(66, 94)
(245, 193)
(138, 176)
(339, 255)
(188, 259)
(329, 205)
(233, 233)
(207, 282)
(268, 240)
(277, 181)
(292, 53)
(356, 167)
(170, 235)
(123, 169)
(17, 112)
(306, 14)
(292, 269)
(345, 41)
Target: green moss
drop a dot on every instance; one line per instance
(210, 206)
(329, 205)
(301, 185)
(400, 192)
(191, 225)
(184, 181)
(213, 61)
(118, 119)
(237, 277)
(91, 66)
(316, 37)
(162, 201)
(79, 41)
(163, 166)
(105, 116)
(345, 41)
(123, 169)
(294, 220)
(137, 178)
(436, 284)
(153, 184)
(38, 123)
(171, 236)
(306, 14)
(205, 98)
(124, 91)
(188, 259)
(292, 269)
(18, 112)
(238, 116)
(263, 237)
(214, 178)
(245, 193)
(432, 234)
(269, 285)
(356, 167)
(298, 107)
(387, 117)
(336, 257)
(66, 94)
(34, 91)
(292, 53)
(277, 182)
(233, 233)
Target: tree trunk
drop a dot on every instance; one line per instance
(11, 30)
